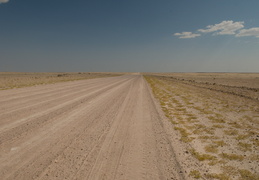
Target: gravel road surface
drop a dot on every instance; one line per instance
(106, 128)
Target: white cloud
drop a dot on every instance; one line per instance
(186, 35)
(225, 27)
(249, 32)
(3, 1)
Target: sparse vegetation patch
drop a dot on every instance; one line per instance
(10, 80)
(219, 127)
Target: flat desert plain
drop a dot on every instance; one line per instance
(215, 117)
(10, 80)
(134, 126)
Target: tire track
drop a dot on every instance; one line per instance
(105, 129)
(38, 118)
(58, 143)
(32, 98)
(34, 108)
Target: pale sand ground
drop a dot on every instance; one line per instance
(10, 80)
(215, 121)
(106, 128)
(113, 128)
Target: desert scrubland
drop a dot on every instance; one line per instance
(157, 126)
(215, 117)
(9, 80)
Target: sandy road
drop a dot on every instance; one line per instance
(107, 128)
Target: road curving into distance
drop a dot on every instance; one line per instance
(105, 128)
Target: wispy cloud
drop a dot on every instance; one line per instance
(3, 1)
(186, 35)
(223, 28)
(249, 32)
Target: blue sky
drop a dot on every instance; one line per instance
(135, 35)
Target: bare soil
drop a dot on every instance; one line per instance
(105, 128)
(214, 122)
(240, 84)
(10, 80)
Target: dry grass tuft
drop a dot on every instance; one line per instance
(244, 146)
(184, 134)
(195, 174)
(247, 175)
(242, 136)
(231, 132)
(219, 143)
(216, 119)
(212, 148)
(202, 157)
(218, 176)
(231, 156)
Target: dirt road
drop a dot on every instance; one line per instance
(107, 128)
